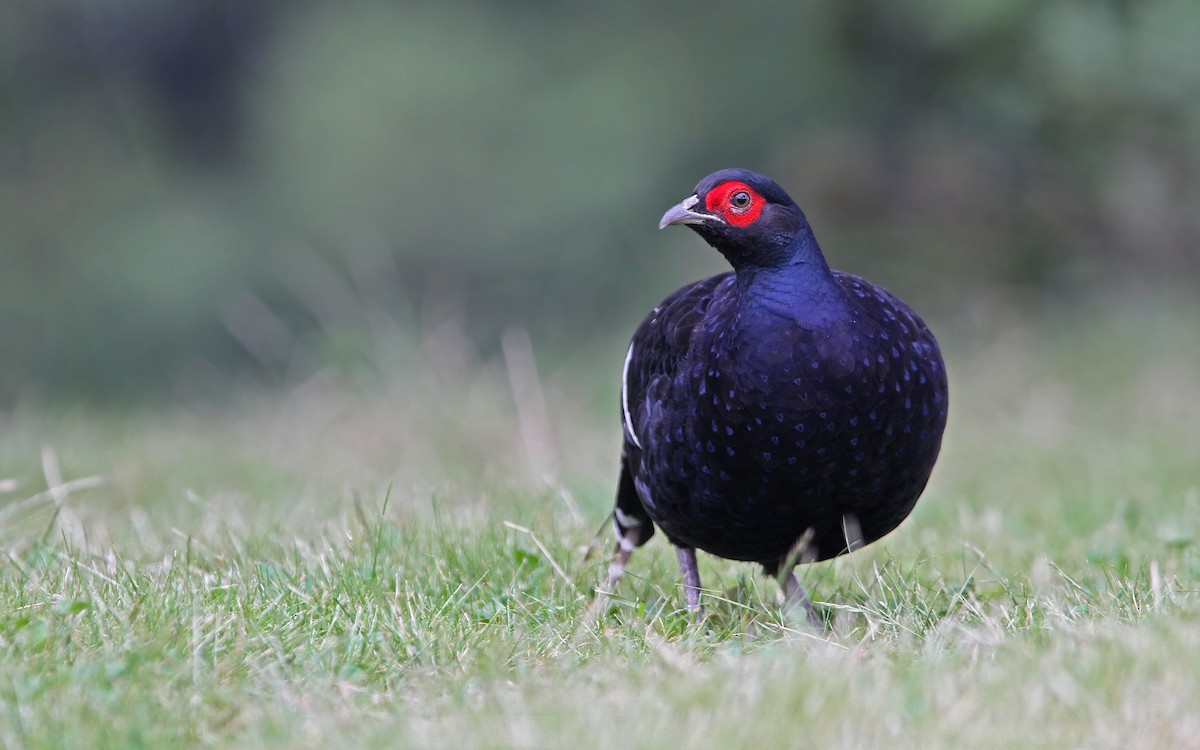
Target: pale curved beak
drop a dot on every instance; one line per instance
(682, 213)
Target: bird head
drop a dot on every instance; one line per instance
(747, 217)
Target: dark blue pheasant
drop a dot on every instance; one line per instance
(777, 414)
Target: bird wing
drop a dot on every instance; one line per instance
(658, 345)
(653, 356)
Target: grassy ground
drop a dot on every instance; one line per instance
(405, 566)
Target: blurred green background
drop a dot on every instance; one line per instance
(204, 193)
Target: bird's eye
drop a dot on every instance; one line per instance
(740, 201)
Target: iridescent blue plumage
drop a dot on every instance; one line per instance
(781, 403)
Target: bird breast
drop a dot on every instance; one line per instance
(826, 406)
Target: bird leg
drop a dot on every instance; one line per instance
(691, 579)
(626, 544)
(794, 595)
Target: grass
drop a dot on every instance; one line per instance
(407, 565)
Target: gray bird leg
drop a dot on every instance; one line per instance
(794, 595)
(691, 579)
(626, 544)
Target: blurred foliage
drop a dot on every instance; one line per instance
(192, 191)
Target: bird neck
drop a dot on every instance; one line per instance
(797, 283)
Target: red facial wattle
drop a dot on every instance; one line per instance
(720, 201)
